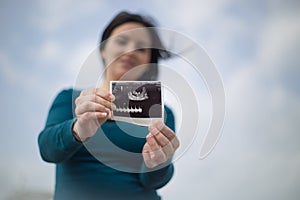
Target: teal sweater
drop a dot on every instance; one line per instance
(108, 166)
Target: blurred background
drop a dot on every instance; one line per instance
(254, 44)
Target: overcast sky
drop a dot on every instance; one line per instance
(254, 44)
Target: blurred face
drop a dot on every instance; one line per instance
(125, 55)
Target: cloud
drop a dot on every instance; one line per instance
(187, 17)
(15, 75)
(263, 112)
(50, 51)
(54, 15)
(75, 59)
(7, 69)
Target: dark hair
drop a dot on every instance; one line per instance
(157, 52)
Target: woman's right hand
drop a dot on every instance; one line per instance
(92, 108)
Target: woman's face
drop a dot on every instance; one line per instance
(124, 54)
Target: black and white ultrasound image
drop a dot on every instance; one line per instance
(137, 99)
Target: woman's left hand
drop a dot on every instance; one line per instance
(161, 144)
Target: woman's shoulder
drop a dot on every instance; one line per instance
(168, 109)
(68, 92)
(169, 117)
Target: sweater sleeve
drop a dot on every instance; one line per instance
(157, 178)
(56, 141)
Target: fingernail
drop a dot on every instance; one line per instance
(112, 97)
(113, 106)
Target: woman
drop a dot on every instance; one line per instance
(79, 140)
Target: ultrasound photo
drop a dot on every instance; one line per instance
(137, 101)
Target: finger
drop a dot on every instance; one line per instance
(167, 132)
(146, 156)
(104, 94)
(156, 154)
(146, 150)
(101, 117)
(152, 143)
(88, 91)
(90, 107)
(163, 141)
(100, 92)
(92, 116)
(95, 98)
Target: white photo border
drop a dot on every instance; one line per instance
(136, 120)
